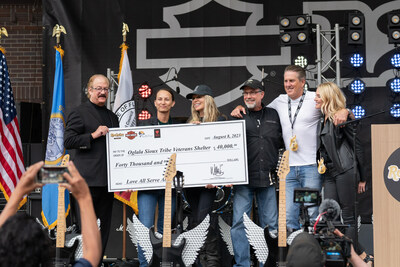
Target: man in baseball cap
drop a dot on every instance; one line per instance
(253, 83)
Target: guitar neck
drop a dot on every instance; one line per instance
(282, 234)
(61, 224)
(167, 215)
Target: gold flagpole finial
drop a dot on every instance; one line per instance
(57, 30)
(125, 30)
(3, 31)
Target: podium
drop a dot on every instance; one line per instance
(385, 142)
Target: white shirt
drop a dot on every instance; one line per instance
(305, 127)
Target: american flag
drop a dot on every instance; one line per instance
(11, 159)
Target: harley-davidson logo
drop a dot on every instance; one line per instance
(131, 135)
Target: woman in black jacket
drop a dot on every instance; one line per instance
(337, 152)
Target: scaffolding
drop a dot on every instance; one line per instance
(329, 38)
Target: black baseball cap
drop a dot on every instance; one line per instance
(201, 89)
(253, 83)
(305, 252)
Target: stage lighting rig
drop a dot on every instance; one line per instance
(294, 30)
(356, 23)
(301, 61)
(394, 85)
(145, 90)
(144, 115)
(394, 27)
(358, 111)
(395, 60)
(395, 110)
(356, 60)
(357, 86)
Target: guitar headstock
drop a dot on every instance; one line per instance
(284, 168)
(170, 170)
(179, 180)
(64, 160)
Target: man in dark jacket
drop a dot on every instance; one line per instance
(87, 126)
(264, 137)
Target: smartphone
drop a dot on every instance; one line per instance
(306, 195)
(51, 175)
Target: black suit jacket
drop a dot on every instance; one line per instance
(91, 156)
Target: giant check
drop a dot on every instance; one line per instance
(208, 153)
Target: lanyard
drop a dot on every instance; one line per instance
(297, 110)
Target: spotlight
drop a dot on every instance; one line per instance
(285, 22)
(395, 60)
(301, 21)
(301, 37)
(358, 111)
(356, 29)
(144, 115)
(395, 85)
(394, 27)
(145, 90)
(285, 38)
(294, 29)
(357, 86)
(356, 60)
(301, 61)
(395, 111)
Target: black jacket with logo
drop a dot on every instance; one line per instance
(264, 138)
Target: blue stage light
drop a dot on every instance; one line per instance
(356, 60)
(395, 110)
(395, 85)
(395, 60)
(357, 86)
(358, 111)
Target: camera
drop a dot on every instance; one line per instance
(336, 249)
(51, 175)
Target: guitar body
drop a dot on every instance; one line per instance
(65, 256)
(272, 243)
(166, 256)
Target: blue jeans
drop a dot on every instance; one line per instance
(147, 202)
(298, 177)
(267, 211)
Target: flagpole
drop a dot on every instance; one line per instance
(125, 30)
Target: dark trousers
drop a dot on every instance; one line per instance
(342, 188)
(103, 204)
(201, 202)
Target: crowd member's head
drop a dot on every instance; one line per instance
(294, 81)
(98, 88)
(203, 108)
(253, 93)
(305, 252)
(165, 100)
(24, 243)
(329, 99)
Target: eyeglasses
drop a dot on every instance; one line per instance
(253, 93)
(99, 89)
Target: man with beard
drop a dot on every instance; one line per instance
(264, 138)
(87, 126)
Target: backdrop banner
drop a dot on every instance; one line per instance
(218, 43)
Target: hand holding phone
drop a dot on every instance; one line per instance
(51, 175)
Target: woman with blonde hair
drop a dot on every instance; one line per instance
(203, 107)
(201, 200)
(336, 155)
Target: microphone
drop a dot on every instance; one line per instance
(330, 208)
(178, 90)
